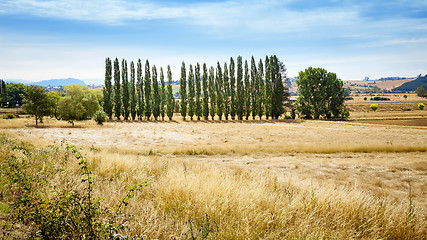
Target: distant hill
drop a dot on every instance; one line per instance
(58, 82)
(412, 85)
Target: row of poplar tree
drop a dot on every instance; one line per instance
(204, 92)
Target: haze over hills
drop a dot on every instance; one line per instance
(50, 82)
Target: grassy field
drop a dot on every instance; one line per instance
(287, 179)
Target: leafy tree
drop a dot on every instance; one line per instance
(99, 117)
(267, 88)
(247, 93)
(162, 94)
(108, 89)
(205, 92)
(233, 101)
(117, 95)
(240, 89)
(147, 92)
(183, 91)
(133, 99)
(320, 94)
(156, 94)
(260, 87)
(226, 92)
(171, 100)
(37, 102)
(254, 88)
(278, 89)
(140, 89)
(125, 90)
(3, 94)
(71, 110)
(13, 94)
(55, 98)
(421, 92)
(219, 91)
(212, 93)
(191, 92)
(198, 91)
(88, 98)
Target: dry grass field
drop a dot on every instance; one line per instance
(285, 179)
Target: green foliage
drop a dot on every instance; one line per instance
(3, 93)
(202, 228)
(260, 89)
(117, 93)
(132, 92)
(254, 88)
(374, 107)
(99, 117)
(171, 99)
(38, 103)
(12, 94)
(205, 92)
(156, 94)
(108, 89)
(183, 91)
(421, 106)
(421, 92)
(413, 85)
(226, 92)
(198, 91)
(247, 92)
(219, 91)
(9, 116)
(268, 88)
(140, 90)
(320, 94)
(233, 101)
(162, 94)
(147, 92)
(240, 103)
(279, 92)
(71, 110)
(191, 92)
(125, 90)
(212, 92)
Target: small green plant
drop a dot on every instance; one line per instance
(202, 228)
(345, 113)
(99, 117)
(421, 106)
(374, 107)
(9, 116)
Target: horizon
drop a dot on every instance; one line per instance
(356, 39)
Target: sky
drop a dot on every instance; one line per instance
(44, 39)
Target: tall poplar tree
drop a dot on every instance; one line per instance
(125, 90)
(219, 91)
(278, 89)
(198, 91)
(183, 91)
(205, 92)
(140, 89)
(117, 94)
(267, 89)
(247, 93)
(132, 91)
(191, 92)
(233, 100)
(147, 92)
(240, 89)
(226, 92)
(260, 98)
(108, 89)
(212, 93)
(156, 94)
(171, 100)
(254, 88)
(162, 94)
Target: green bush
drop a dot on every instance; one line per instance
(99, 117)
(9, 116)
(421, 106)
(374, 107)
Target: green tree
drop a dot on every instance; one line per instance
(13, 94)
(117, 95)
(226, 92)
(205, 92)
(247, 92)
(70, 110)
(183, 91)
(171, 99)
(198, 91)
(125, 90)
(56, 97)
(191, 92)
(267, 88)
(162, 94)
(219, 91)
(260, 87)
(147, 92)
(37, 102)
(320, 94)
(254, 88)
(133, 100)
(240, 89)
(3, 94)
(212, 93)
(140, 90)
(421, 92)
(278, 89)
(89, 98)
(156, 94)
(108, 89)
(233, 101)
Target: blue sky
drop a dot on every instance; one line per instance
(43, 39)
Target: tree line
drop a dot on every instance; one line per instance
(224, 91)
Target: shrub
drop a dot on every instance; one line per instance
(365, 98)
(421, 106)
(9, 116)
(374, 107)
(99, 117)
